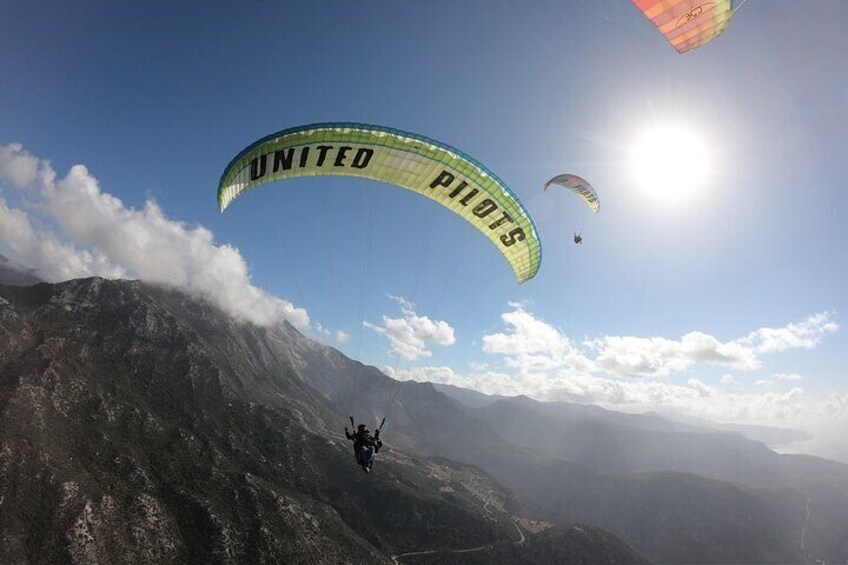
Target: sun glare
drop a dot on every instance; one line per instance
(669, 163)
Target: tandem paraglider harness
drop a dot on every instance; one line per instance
(365, 446)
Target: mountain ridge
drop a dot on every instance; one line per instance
(140, 425)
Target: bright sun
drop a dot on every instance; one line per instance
(669, 163)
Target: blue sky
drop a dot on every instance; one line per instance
(154, 99)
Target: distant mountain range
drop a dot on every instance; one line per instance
(771, 436)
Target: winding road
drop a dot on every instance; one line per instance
(520, 533)
(432, 551)
(469, 550)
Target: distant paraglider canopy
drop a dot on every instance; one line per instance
(582, 189)
(578, 186)
(688, 24)
(428, 167)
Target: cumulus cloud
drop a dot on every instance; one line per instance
(661, 357)
(22, 170)
(836, 405)
(100, 235)
(487, 382)
(326, 335)
(55, 259)
(527, 335)
(788, 377)
(701, 387)
(542, 362)
(410, 335)
(531, 344)
(802, 335)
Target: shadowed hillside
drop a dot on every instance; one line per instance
(143, 426)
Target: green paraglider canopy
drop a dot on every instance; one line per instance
(428, 167)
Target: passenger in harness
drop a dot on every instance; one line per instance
(365, 446)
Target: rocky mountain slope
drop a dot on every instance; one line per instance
(138, 425)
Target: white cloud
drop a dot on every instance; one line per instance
(54, 259)
(326, 335)
(487, 382)
(837, 405)
(405, 304)
(787, 377)
(661, 357)
(533, 345)
(544, 363)
(527, 336)
(23, 170)
(703, 389)
(104, 237)
(801, 335)
(762, 382)
(410, 335)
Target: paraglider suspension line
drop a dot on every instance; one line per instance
(365, 270)
(737, 7)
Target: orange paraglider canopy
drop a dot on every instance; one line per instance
(688, 24)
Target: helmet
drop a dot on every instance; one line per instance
(360, 427)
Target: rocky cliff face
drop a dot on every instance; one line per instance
(138, 425)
